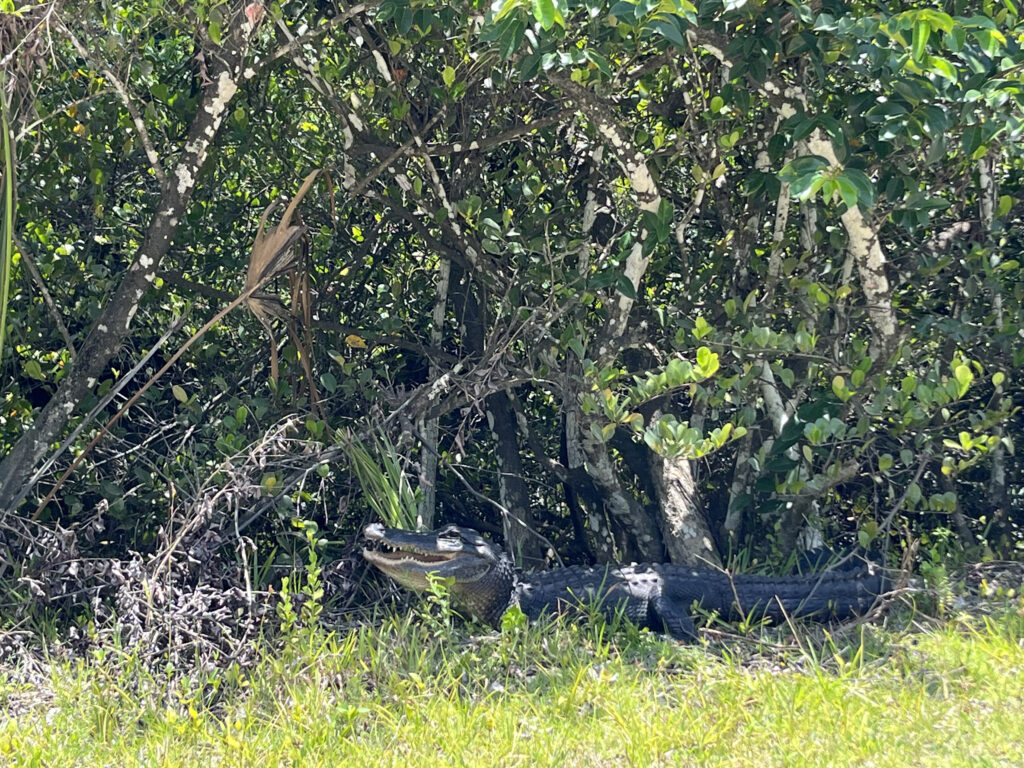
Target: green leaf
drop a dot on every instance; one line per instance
(802, 173)
(179, 394)
(964, 377)
(448, 76)
(942, 67)
(787, 377)
(701, 328)
(506, 8)
(707, 361)
(922, 30)
(544, 12)
(668, 29)
(625, 286)
(914, 493)
(33, 370)
(576, 346)
(864, 186)
(847, 191)
(214, 31)
(885, 462)
(998, 378)
(839, 389)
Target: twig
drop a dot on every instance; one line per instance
(38, 278)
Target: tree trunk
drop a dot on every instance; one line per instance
(687, 536)
(599, 537)
(428, 460)
(619, 504)
(518, 524)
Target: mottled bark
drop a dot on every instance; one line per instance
(599, 536)
(988, 195)
(429, 428)
(224, 68)
(739, 495)
(645, 192)
(688, 539)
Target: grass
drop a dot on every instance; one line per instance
(411, 692)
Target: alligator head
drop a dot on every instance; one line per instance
(479, 575)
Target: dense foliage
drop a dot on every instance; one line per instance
(653, 279)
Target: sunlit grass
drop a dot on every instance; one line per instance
(407, 693)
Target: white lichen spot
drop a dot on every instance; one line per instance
(208, 130)
(173, 221)
(382, 66)
(346, 132)
(356, 122)
(101, 328)
(226, 89)
(185, 180)
(146, 261)
(456, 147)
(474, 145)
(90, 382)
(150, 276)
(249, 73)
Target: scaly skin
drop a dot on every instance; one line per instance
(483, 582)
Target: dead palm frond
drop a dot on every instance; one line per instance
(273, 254)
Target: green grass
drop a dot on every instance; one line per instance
(411, 693)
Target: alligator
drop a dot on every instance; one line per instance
(483, 582)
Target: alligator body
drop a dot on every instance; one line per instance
(483, 582)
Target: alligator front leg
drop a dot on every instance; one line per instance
(674, 616)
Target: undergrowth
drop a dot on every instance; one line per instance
(419, 689)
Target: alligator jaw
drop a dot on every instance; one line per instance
(408, 568)
(412, 559)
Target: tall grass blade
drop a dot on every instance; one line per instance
(385, 483)
(7, 223)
